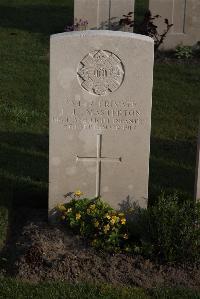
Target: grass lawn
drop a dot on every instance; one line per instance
(141, 7)
(176, 109)
(5, 207)
(11, 289)
(25, 26)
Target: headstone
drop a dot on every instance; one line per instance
(103, 14)
(100, 115)
(197, 182)
(185, 17)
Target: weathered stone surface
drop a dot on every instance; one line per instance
(197, 182)
(102, 14)
(100, 115)
(184, 14)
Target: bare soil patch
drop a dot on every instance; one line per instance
(37, 251)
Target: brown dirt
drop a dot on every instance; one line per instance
(38, 251)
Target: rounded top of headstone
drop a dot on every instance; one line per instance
(105, 33)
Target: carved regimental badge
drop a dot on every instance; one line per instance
(100, 72)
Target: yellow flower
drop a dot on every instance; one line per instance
(92, 207)
(78, 216)
(67, 211)
(78, 193)
(108, 216)
(123, 221)
(106, 228)
(61, 208)
(94, 242)
(96, 224)
(125, 236)
(121, 214)
(88, 211)
(112, 221)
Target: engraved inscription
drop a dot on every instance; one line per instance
(100, 72)
(101, 115)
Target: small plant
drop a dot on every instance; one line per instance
(175, 229)
(127, 20)
(183, 52)
(169, 230)
(96, 221)
(147, 27)
(78, 25)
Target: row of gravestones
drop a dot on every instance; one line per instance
(100, 116)
(183, 14)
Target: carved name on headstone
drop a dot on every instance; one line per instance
(100, 115)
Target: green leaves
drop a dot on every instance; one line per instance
(96, 221)
(175, 229)
(169, 230)
(183, 52)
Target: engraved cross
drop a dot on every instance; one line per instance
(98, 159)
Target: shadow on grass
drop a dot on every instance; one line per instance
(24, 176)
(45, 19)
(172, 167)
(24, 168)
(23, 186)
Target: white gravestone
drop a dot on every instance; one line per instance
(103, 14)
(185, 17)
(100, 115)
(197, 183)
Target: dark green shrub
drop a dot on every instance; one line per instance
(138, 224)
(169, 230)
(175, 229)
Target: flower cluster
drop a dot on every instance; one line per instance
(78, 25)
(96, 221)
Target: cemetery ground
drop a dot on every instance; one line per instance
(25, 27)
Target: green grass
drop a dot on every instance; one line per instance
(5, 207)
(25, 26)
(141, 6)
(12, 289)
(176, 109)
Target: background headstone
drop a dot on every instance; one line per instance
(197, 183)
(184, 14)
(103, 14)
(100, 115)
